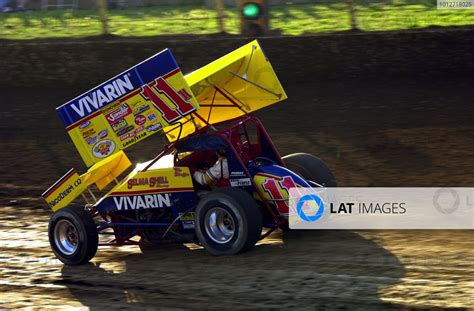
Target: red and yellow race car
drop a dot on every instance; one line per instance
(219, 180)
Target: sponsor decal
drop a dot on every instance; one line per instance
(151, 117)
(103, 95)
(127, 136)
(142, 109)
(178, 172)
(112, 107)
(158, 182)
(188, 224)
(154, 127)
(118, 114)
(62, 188)
(187, 216)
(83, 125)
(88, 133)
(140, 120)
(236, 174)
(103, 148)
(125, 130)
(132, 134)
(240, 182)
(117, 126)
(187, 219)
(61, 196)
(103, 133)
(134, 139)
(142, 201)
(91, 140)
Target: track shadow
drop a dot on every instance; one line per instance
(310, 269)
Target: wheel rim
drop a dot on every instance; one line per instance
(66, 237)
(219, 225)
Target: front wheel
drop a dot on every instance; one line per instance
(310, 168)
(73, 235)
(228, 221)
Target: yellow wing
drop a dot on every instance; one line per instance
(235, 84)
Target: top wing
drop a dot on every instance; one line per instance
(128, 108)
(235, 84)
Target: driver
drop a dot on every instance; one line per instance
(218, 171)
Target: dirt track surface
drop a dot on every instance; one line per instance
(371, 133)
(329, 269)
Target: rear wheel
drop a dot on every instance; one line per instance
(310, 168)
(73, 235)
(228, 221)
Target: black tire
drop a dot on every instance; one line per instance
(78, 231)
(240, 209)
(310, 168)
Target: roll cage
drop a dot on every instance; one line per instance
(245, 139)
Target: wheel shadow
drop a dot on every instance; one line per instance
(298, 269)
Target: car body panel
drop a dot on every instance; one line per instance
(154, 188)
(273, 183)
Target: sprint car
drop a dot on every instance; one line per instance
(159, 201)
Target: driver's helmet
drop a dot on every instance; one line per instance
(221, 152)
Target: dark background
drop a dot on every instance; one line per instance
(83, 63)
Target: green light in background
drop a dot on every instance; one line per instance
(251, 10)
